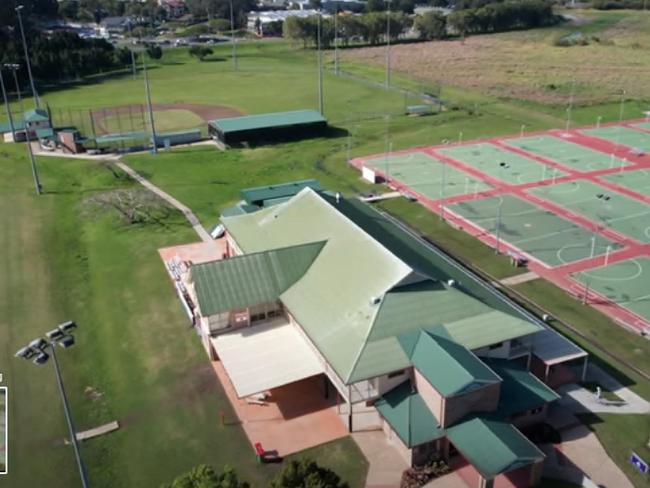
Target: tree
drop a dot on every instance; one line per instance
(205, 476)
(219, 26)
(305, 473)
(200, 52)
(431, 25)
(154, 51)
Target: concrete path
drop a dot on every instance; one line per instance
(97, 431)
(518, 279)
(386, 464)
(451, 480)
(581, 400)
(383, 196)
(581, 459)
(189, 215)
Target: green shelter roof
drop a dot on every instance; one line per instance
(450, 368)
(492, 446)
(267, 121)
(409, 416)
(357, 297)
(520, 390)
(260, 194)
(36, 115)
(6, 126)
(250, 279)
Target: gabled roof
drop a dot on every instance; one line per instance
(520, 390)
(357, 297)
(449, 367)
(492, 446)
(257, 195)
(250, 279)
(409, 416)
(36, 115)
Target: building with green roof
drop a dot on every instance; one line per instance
(425, 347)
(269, 126)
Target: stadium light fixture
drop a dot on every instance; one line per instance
(35, 351)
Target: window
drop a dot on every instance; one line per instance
(498, 345)
(396, 373)
(535, 411)
(258, 316)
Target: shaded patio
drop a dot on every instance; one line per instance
(294, 417)
(196, 252)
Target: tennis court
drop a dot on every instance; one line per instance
(426, 175)
(638, 180)
(643, 125)
(500, 163)
(623, 214)
(565, 152)
(626, 283)
(622, 135)
(538, 232)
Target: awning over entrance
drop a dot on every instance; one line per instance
(266, 356)
(552, 348)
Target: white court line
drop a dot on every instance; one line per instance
(639, 272)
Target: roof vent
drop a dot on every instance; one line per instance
(375, 300)
(451, 282)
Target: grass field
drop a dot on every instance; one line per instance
(488, 158)
(527, 65)
(638, 180)
(137, 350)
(623, 214)
(565, 152)
(166, 121)
(623, 136)
(540, 233)
(625, 283)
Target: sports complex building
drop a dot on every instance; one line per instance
(389, 333)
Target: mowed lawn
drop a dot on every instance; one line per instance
(136, 360)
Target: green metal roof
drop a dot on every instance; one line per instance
(36, 115)
(409, 416)
(492, 446)
(354, 301)
(267, 121)
(45, 133)
(449, 367)
(6, 127)
(260, 194)
(520, 390)
(239, 209)
(250, 279)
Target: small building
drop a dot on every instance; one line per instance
(268, 127)
(315, 287)
(111, 26)
(174, 8)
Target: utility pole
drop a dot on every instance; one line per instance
(27, 62)
(388, 44)
(14, 70)
(233, 40)
(148, 94)
(320, 67)
(336, 40)
(133, 67)
(7, 108)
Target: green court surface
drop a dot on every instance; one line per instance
(427, 175)
(643, 125)
(622, 135)
(626, 283)
(638, 181)
(565, 152)
(542, 234)
(623, 214)
(488, 158)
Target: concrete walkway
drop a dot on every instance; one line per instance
(518, 279)
(386, 464)
(189, 215)
(451, 480)
(581, 459)
(581, 400)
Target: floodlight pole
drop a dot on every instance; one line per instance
(148, 93)
(232, 37)
(133, 67)
(27, 62)
(320, 67)
(68, 418)
(600, 117)
(7, 108)
(570, 108)
(443, 183)
(14, 71)
(387, 44)
(498, 228)
(336, 40)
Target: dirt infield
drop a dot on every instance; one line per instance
(204, 112)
